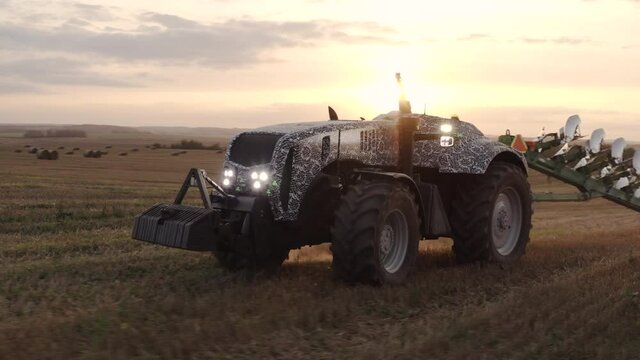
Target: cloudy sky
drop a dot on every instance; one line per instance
(521, 64)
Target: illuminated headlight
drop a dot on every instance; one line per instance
(263, 176)
(254, 175)
(446, 141)
(227, 177)
(446, 128)
(257, 185)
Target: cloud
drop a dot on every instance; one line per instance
(475, 37)
(169, 38)
(94, 12)
(563, 40)
(55, 71)
(9, 87)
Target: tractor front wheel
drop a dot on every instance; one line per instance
(375, 234)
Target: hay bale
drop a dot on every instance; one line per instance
(76, 149)
(108, 147)
(69, 153)
(122, 154)
(175, 153)
(27, 146)
(88, 153)
(134, 149)
(43, 154)
(18, 151)
(219, 151)
(53, 155)
(33, 150)
(60, 147)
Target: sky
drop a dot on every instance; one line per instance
(517, 64)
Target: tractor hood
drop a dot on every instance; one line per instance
(256, 147)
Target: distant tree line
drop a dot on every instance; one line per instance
(189, 145)
(54, 133)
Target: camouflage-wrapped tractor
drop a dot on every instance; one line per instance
(373, 189)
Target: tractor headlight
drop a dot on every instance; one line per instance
(446, 141)
(259, 179)
(228, 175)
(446, 128)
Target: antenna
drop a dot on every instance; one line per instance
(332, 114)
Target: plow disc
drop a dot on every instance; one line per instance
(594, 167)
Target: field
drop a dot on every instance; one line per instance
(74, 285)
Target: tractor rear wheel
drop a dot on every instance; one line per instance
(491, 215)
(375, 234)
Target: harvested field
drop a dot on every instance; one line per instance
(74, 285)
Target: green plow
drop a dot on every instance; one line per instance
(595, 168)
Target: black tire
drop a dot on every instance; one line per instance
(481, 220)
(364, 215)
(264, 249)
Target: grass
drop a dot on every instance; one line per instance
(74, 285)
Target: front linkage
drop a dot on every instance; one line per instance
(238, 229)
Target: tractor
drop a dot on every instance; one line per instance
(373, 189)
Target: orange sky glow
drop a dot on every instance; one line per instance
(500, 64)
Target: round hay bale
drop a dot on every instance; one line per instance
(134, 149)
(43, 154)
(108, 146)
(18, 151)
(76, 149)
(122, 154)
(175, 154)
(53, 155)
(27, 146)
(33, 150)
(60, 147)
(97, 154)
(88, 153)
(69, 153)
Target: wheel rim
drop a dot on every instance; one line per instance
(394, 240)
(506, 221)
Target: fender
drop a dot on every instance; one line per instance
(435, 222)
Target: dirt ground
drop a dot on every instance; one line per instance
(74, 285)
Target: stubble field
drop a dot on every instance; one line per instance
(74, 285)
